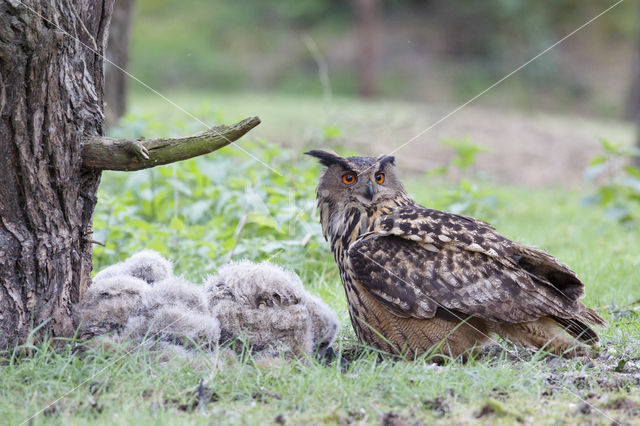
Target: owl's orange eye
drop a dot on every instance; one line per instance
(348, 178)
(380, 177)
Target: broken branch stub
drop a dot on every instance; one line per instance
(103, 153)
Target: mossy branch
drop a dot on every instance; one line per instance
(104, 153)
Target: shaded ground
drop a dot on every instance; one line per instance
(602, 389)
(503, 385)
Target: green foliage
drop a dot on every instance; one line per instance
(115, 385)
(471, 200)
(229, 45)
(209, 210)
(620, 193)
(256, 45)
(206, 211)
(467, 196)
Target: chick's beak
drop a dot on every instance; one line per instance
(369, 192)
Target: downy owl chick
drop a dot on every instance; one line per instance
(269, 307)
(147, 265)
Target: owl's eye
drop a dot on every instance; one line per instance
(348, 178)
(380, 177)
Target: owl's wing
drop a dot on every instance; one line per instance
(421, 263)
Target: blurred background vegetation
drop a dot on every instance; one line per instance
(419, 50)
(366, 77)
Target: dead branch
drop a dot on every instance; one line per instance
(104, 153)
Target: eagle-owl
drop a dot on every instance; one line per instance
(420, 280)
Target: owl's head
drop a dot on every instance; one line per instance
(366, 181)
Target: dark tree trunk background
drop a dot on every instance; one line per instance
(115, 87)
(367, 13)
(633, 103)
(50, 97)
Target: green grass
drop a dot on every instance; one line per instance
(305, 119)
(134, 389)
(161, 210)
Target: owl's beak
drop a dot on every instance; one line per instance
(369, 192)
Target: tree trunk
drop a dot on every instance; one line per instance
(51, 82)
(115, 87)
(367, 14)
(633, 101)
(51, 119)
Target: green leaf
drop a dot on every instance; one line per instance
(262, 220)
(436, 171)
(180, 186)
(607, 195)
(594, 171)
(591, 200)
(198, 209)
(459, 207)
(631, 183)
(177, 224)
(598, 160)
(611, 148)
(466, 185)
(632, 170)
(331, 132)
(617, 213)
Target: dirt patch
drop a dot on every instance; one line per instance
(622, 403)
(393, 419)
(438, 405)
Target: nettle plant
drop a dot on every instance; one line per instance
(467, 196)
(204, 212)
(619, 195)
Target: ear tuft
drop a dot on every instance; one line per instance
(387, 159)
(326, 158)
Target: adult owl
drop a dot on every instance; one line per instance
(420, 280)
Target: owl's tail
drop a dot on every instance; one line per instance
(557, 335)
(579, 329)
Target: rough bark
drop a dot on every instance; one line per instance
(51, 121)
(50, 99)
(115, 87)
(367, 13)
(104, 153)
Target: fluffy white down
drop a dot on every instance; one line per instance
(142, 302)
(148, 265)
(106, 305)
(177, 292)
(253, 284)
(324, 322)
(269, 305)
(174, 311)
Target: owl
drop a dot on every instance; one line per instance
(419, 280)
